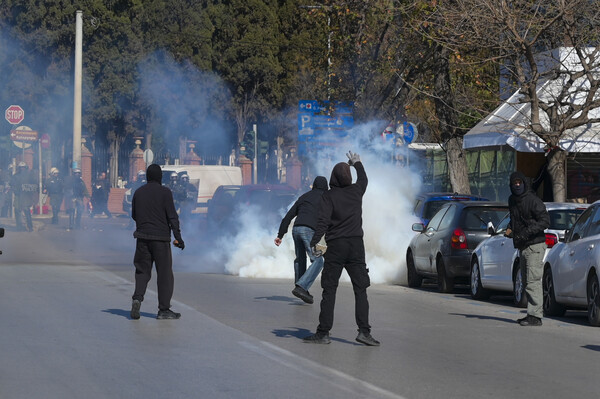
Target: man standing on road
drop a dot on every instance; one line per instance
(340, 220)
(155, 217)
(100, 194)
(54, 188)
(305, 211)
(75, 191)
(25, 189)
(528, 220)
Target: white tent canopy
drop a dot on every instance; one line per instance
(508, 124)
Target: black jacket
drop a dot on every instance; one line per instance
(528, 215)
(340, 211)
(306, 208)
(154, 213)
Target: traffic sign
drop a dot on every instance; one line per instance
(23, 133)
(14, 114)
(45, 141)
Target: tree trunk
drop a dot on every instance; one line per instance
(448, 122)
(556, 169)
(457, 166)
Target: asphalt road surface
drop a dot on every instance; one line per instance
(66, 333)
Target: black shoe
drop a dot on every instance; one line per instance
(531, 321)
(317, 338)
(522, 319)
(167, 315)
(302, 294)
(135, 309)
(367, 339)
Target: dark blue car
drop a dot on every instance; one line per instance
(427, 204)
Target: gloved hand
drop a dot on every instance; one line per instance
(179, 244)
(316, 252)
(352, 158)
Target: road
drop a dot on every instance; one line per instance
(66, 333)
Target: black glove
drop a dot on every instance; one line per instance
(352, 158)
(179, 244)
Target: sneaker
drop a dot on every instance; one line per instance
(317, 338)
(302, 294)
(522, 319)
(167, 315)
(531, 321)
(135, 309)
(367, 339)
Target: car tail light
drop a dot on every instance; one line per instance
(551, 240)
(458, 239)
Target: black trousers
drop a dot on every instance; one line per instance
(159, 253)
(348, 253)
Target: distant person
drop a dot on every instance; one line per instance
(140, 180)
(4, 193)
(528, 220)
(340, 220)
(155, 217)
(188, 197)
(100, 194)
(54, 187)
(305, 210)
(175, 189)
(24, 186)
(75, 192)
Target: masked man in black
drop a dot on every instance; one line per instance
(155, 217)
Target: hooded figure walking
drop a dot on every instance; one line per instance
(340, 220)
(305, 211)
(528, 220)
(155, 217)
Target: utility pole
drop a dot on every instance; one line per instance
(77, 90)
(254, 165)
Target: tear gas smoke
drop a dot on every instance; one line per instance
(387, 216)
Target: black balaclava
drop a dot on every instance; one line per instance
(154, 173)
(320, 183)
(522, 189)
(340, 175)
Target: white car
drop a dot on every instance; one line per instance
(571, 269)
(495, 261)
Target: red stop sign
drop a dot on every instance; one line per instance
(14, 114)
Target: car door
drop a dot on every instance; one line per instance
(497, 255)
(573, 256)
(422, 242)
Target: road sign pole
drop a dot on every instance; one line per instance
(255, 166)
(40, 175)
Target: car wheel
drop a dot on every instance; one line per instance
(551, 307)
(477, 290)
(519, 296)
(445, 283)
(593, 300)
(414, 279)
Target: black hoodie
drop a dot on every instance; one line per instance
(305, 209)
(153, 210)
(340, 212)
(528, 215)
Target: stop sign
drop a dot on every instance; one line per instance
(14, 114)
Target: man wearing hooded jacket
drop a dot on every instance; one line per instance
(340, 220)
(528, 220)
(155, 217)
(305, 211)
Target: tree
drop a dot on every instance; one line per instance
(561, 93)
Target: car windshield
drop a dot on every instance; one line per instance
(477, 218)
(563, 219)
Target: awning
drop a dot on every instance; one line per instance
(508, 125)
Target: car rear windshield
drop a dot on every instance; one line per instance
(563, 219)
(477, 218)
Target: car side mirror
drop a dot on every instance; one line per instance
(491, 230)
(418, 227)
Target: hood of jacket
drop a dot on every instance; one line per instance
(518, 176)
(154, 173)
(320, 183)
(340, 175)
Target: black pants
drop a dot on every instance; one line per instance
(55, 203)
(159, 253)
(348, 253)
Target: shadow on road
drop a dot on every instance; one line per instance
(125, 313)
(303, 332)
(482, 317)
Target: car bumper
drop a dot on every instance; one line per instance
(459, 265)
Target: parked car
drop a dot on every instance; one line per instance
(427, 204)
(266, 200)
(571, 269)
(495, 261)
(444, 248)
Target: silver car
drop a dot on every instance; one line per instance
(571, 269)
(495, 261)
